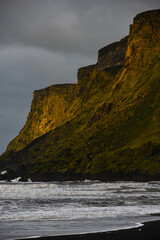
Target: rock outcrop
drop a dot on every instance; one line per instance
(84, 75)
(105, 127)
(112, 55)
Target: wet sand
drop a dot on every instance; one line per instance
(149, 231)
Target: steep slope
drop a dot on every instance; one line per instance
(110, 127)
(51, 107)
(57, 104)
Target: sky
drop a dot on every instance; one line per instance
(44, 42)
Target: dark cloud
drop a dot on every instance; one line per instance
(44, 42)
(67, 25)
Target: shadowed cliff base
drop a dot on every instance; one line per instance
(107, 126)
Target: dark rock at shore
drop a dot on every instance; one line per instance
(10, 174)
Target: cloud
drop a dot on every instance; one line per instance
(67, 25)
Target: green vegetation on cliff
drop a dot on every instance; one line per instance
(107, 126)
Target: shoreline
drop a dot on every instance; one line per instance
(148, 231)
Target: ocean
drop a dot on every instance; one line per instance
(35, 209)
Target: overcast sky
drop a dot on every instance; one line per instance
(44, 42)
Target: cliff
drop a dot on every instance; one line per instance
(107, 126)
(112, 55)
(51, 107)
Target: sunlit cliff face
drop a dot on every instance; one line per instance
(44, 43)
(107, 125)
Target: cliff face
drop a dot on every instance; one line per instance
(112, 55)
(108, 125)
(51, 107)
(55, 105)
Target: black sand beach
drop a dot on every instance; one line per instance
(149, 231)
